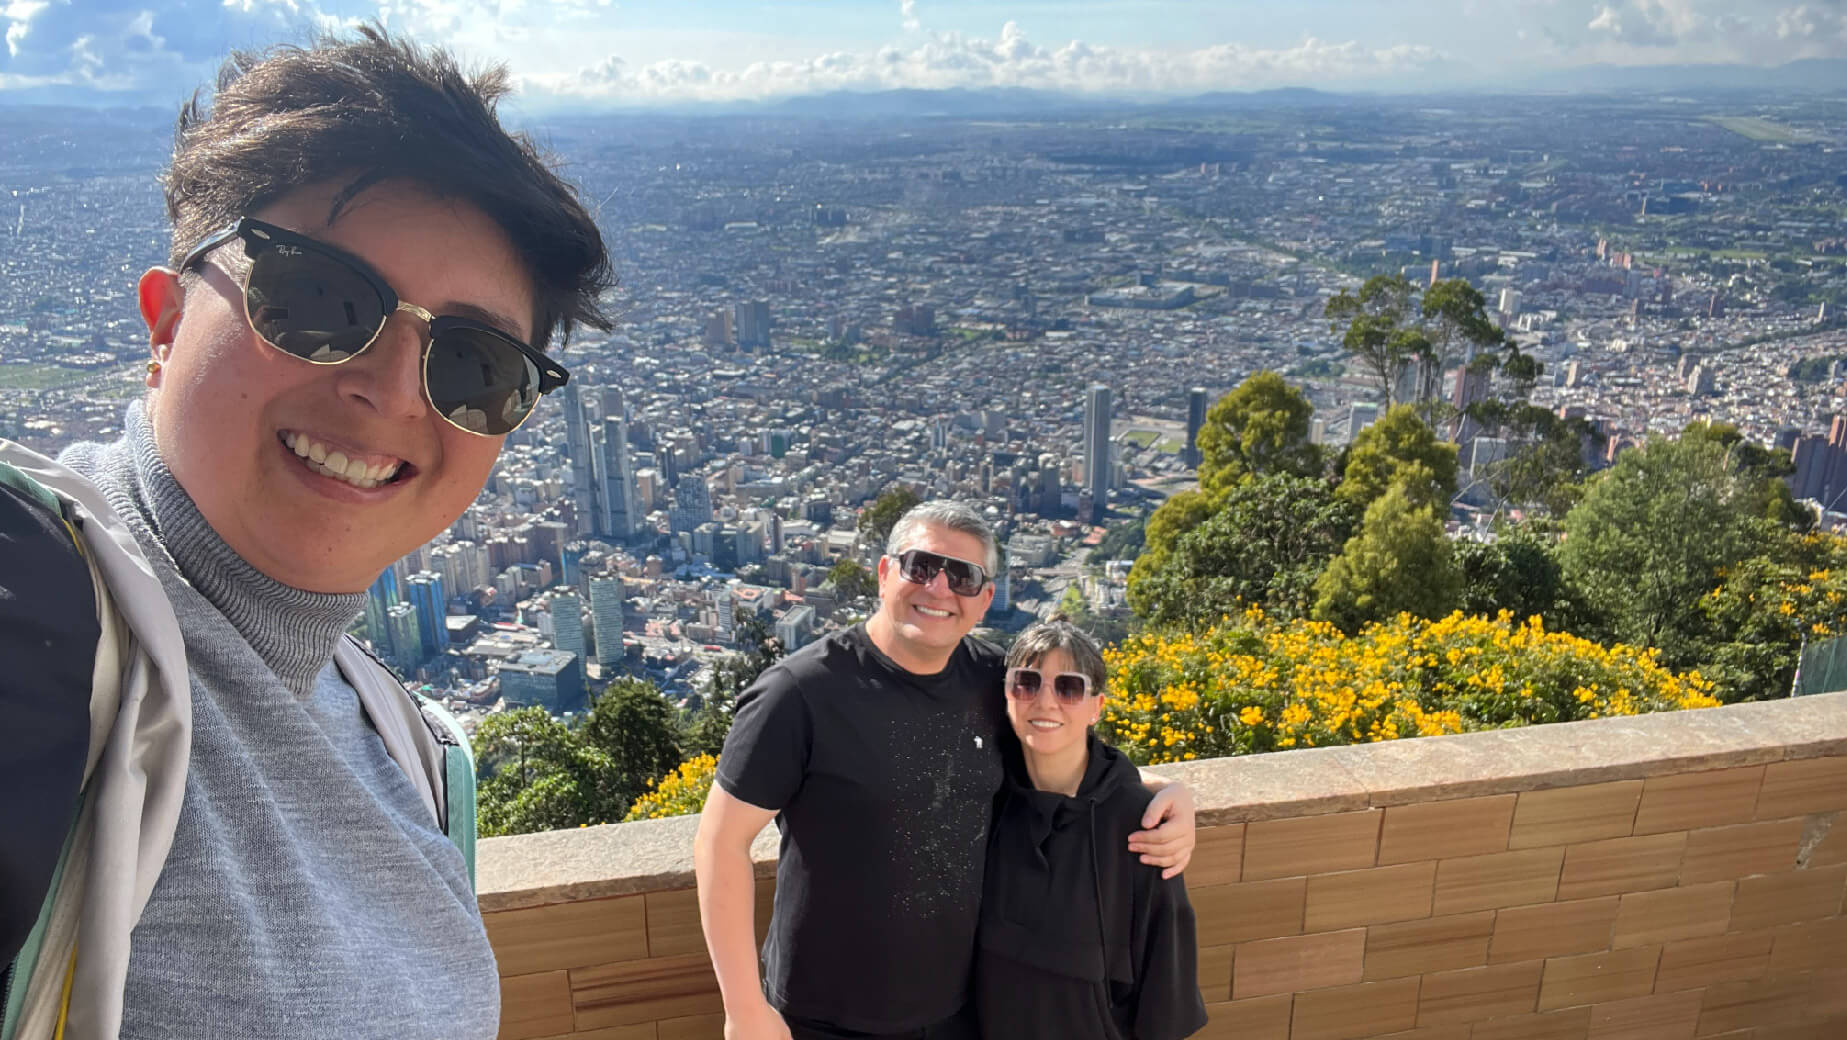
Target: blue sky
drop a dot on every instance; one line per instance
(627, 52)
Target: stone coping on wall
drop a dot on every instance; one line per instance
(657, 855)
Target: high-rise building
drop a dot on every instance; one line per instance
(425, 592)
(614, 501)
(795, 627)
(568, 623)
(406, 637)
(577, 445)
(1097, 448)
(380, 598)
(1195, 421)
(692, 503)
(751, 324)
(606, 619)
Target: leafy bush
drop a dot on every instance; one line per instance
(679, 793)
(1253, 684)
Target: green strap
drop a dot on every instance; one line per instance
(458, 783)
(14, 478)
(27, 961)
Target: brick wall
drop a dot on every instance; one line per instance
(1687, 902)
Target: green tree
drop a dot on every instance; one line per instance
(1372, 327)
(1266, 545)
(852, 580)
(537, 774)
(1259, 428)
(1518, 572)
(634, 728)
(1545, 460)
(1400, 561)
(1400, 449)
(1123, 541)
(875, 523)
(1656, 532)
(1456, 321)
(704, 729)
(1175, 517)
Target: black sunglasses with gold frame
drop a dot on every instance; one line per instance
(325, 306)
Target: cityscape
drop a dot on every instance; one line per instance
(1023, 303)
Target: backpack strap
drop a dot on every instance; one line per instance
(17, 971)
(423, 738)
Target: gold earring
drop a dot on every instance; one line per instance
(154, 367)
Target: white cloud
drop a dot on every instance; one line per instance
(907, 10)
(947, 60)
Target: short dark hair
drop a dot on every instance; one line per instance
(367, 109)
(1058, 633)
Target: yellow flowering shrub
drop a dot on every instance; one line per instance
(679, 793)
(1255, 684)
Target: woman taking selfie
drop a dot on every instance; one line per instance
(1076, 942)
(365, 270)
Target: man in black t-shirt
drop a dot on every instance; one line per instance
(878, 751)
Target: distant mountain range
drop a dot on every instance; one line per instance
(1808, 76)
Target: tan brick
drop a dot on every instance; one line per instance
(1525, 933)
(568, 935)
(1570, 815)
(1668, 1016)
(1298, 963)
(633, 992)
(1697, 963)
(1684, 801)
(535, 1005)
(1430, 945)
(1373, 896)
(1365, 1010)
(1215, 973)
(1251, 910)
(1446, 830)
(1218, 856)
(1662, 916)
(644, 1031)
(673, 923)
(1311, 844)
(1831, 851)
(693, 1027)
(1621, 865)
(1726, 853)
(1791, 898)
(1827, 1029)
(1261, 1018)
(1597, 978)
(1758, 1004)
(1804, 786)
(1472, 994)
(1570, 1024)
(1459, 1031)
(1815, 946)
(1501, 879)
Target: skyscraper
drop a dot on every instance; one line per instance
(426, 594)
(380, 598)
(577, 445)
(1096, 448)
(614, 494)
(1195, 421)
(692, 503)
(606, 619)
(568, 622)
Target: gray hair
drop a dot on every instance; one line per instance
(944, 513)
(1056, 633)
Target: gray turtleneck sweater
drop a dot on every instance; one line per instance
(308, 894)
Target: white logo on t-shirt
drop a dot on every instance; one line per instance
(977, 743)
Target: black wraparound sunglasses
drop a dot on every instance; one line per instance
(918, 566)
(325, 306)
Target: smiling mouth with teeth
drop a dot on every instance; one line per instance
(330, 463)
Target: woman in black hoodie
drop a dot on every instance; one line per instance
(1078, 941)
